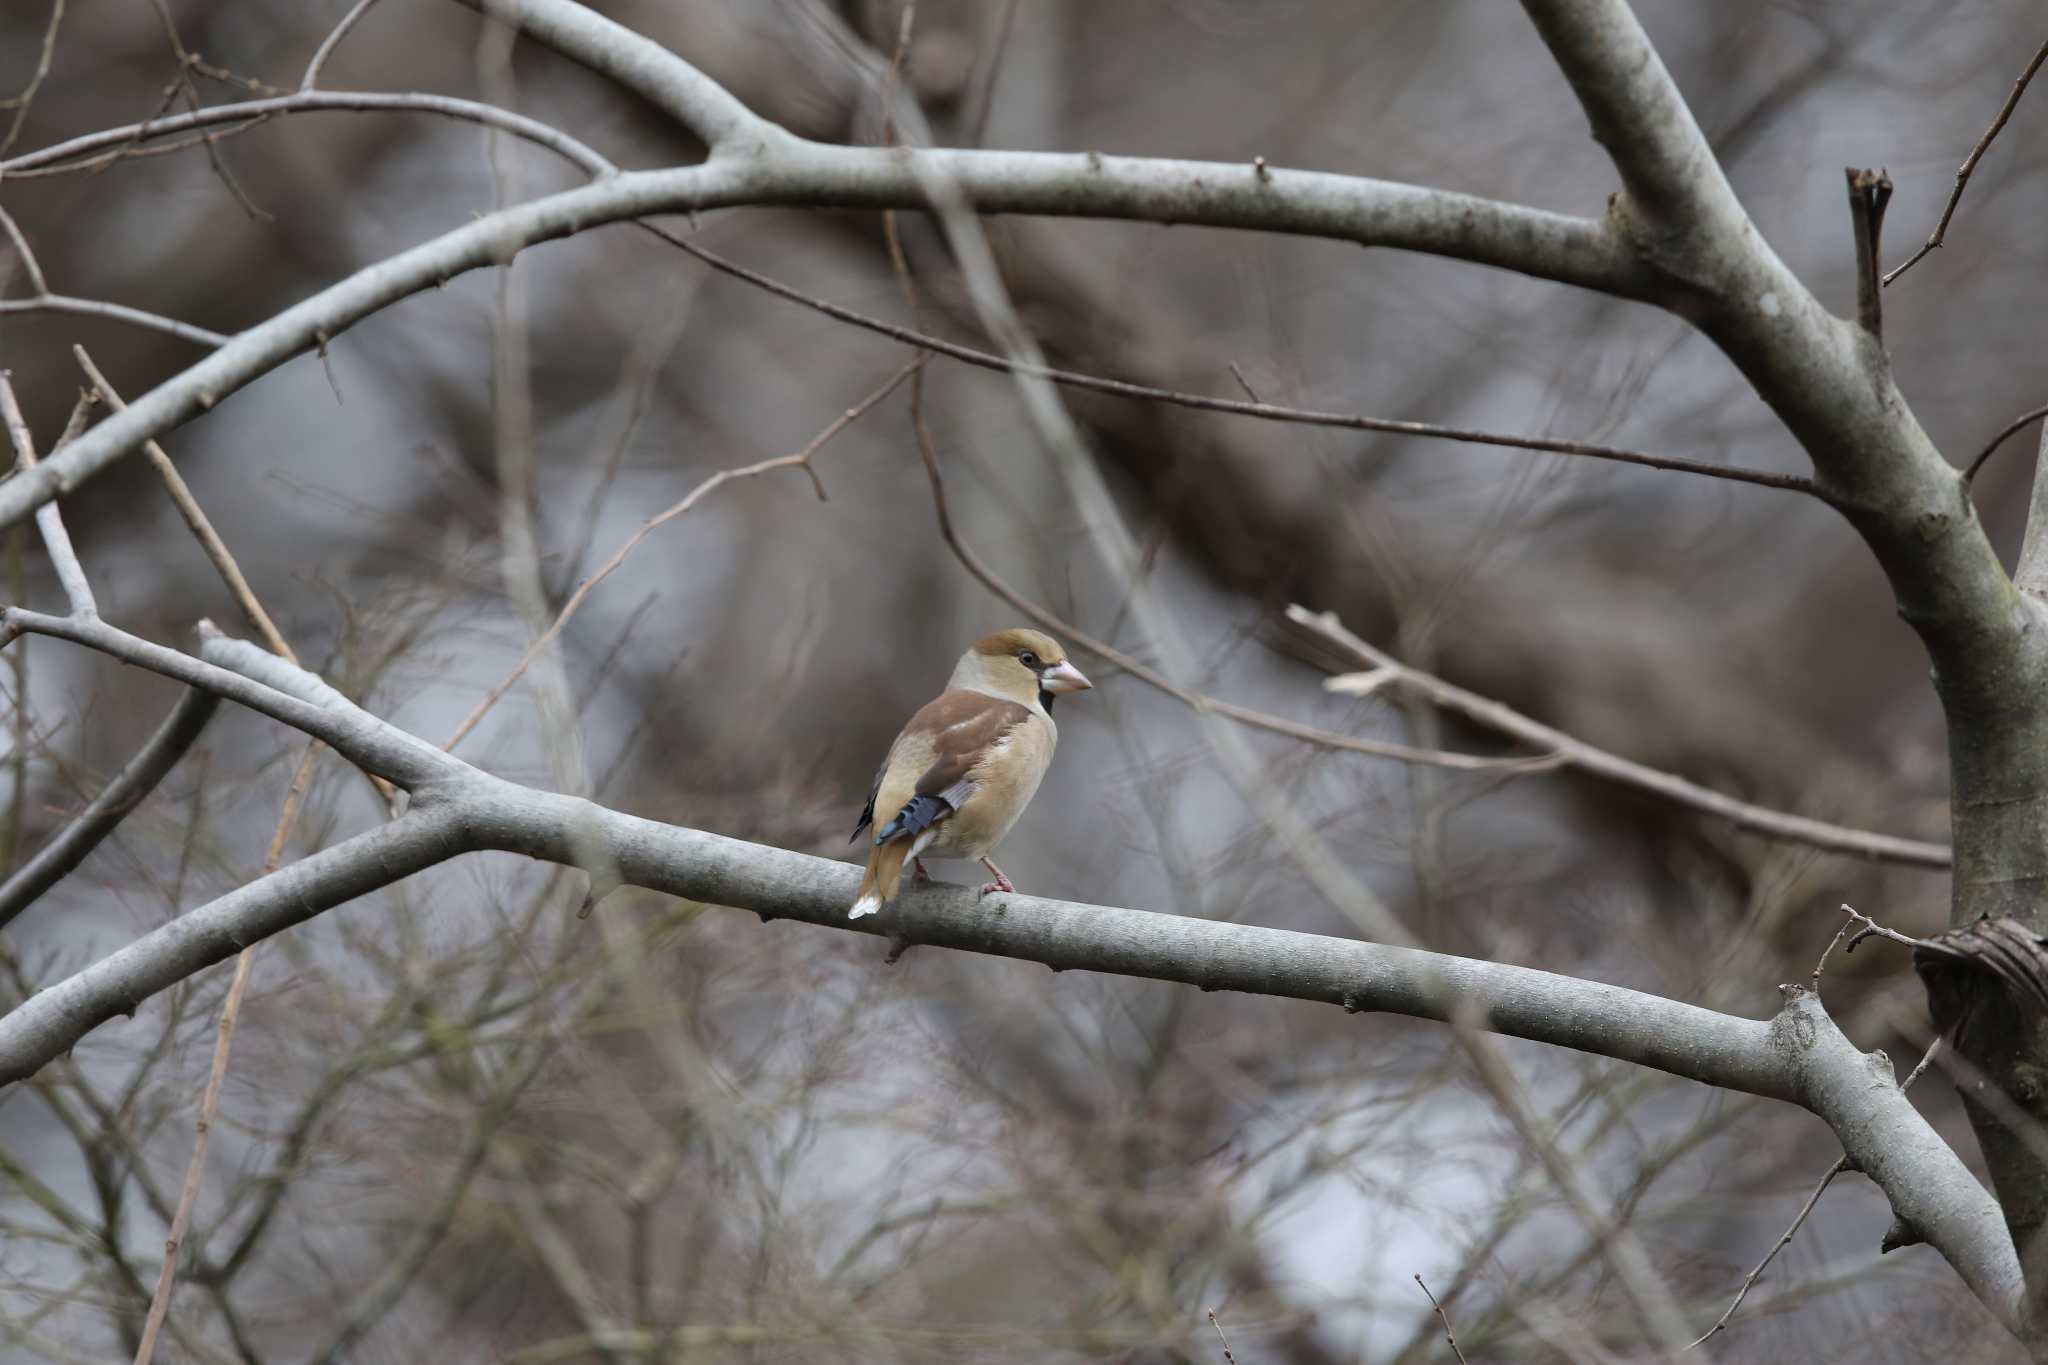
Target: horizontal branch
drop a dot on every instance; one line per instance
(112, 312)
(1798, 1056)
(493, 239)
(756, 163)
(63, 157)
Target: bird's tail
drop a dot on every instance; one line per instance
(884, 877)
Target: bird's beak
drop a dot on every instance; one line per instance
(1062, 678)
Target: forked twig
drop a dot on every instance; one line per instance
(1955, 195)
(1806, 1210)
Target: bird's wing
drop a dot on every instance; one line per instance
(931, 769)
(867, 812)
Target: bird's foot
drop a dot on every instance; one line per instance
(1001, 883)
(918, 875)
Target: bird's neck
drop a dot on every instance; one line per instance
(973, 674)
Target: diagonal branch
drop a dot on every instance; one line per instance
(1963, 172)
(1576, 753)
(158, 755)
(355, 734)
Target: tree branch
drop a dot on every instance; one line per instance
(1576, 753)
(61, 158)
(158, 755)
(1963, 172)
(2031, 575)
(754, 163)
(1798, 1056)
(355, 734)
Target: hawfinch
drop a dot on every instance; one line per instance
(965, 767)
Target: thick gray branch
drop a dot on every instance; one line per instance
(753, 162)
(1800, 1056)
(47, 1024)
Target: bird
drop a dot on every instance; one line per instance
(967, 764)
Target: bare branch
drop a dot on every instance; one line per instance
(1450, 1337)
(195, 518)
(1576, 753)
(1152, 677)
(1948, 210)
(29, 265)
(1638, 116)
(1970, 470)
(23, 102)
(114, 312)
(640, 65)
(158, 755)
(41, 300)
(63, 158)
(1798, 1056)
(1799, 1220)
(757, 164)
(332, 41)
(57, 540)
(230, 1012)
(799, 460)
(362, 739)
(1271, 412)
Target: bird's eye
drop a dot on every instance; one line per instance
(1028, 659)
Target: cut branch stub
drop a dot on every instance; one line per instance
(1994, 965)
(1988, 980)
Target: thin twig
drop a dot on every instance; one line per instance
(1806, 1211)
(158, 755)
(984, 94)
(29, 265)
(1205, 403)
(42, 300)
(1871, 928)
(115, 312)
(196, 518)
(1151, 677)
(2034, 415)
(1955, 195)
(1573, 752)
(799, 460)
(21, 103)
(49, 520)
(230, 1012)
(1443, 1317)
(1228, 1358)
(113, 144)
(332, 41)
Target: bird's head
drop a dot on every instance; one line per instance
(1021, 665)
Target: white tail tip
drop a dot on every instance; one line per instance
(866, 905)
